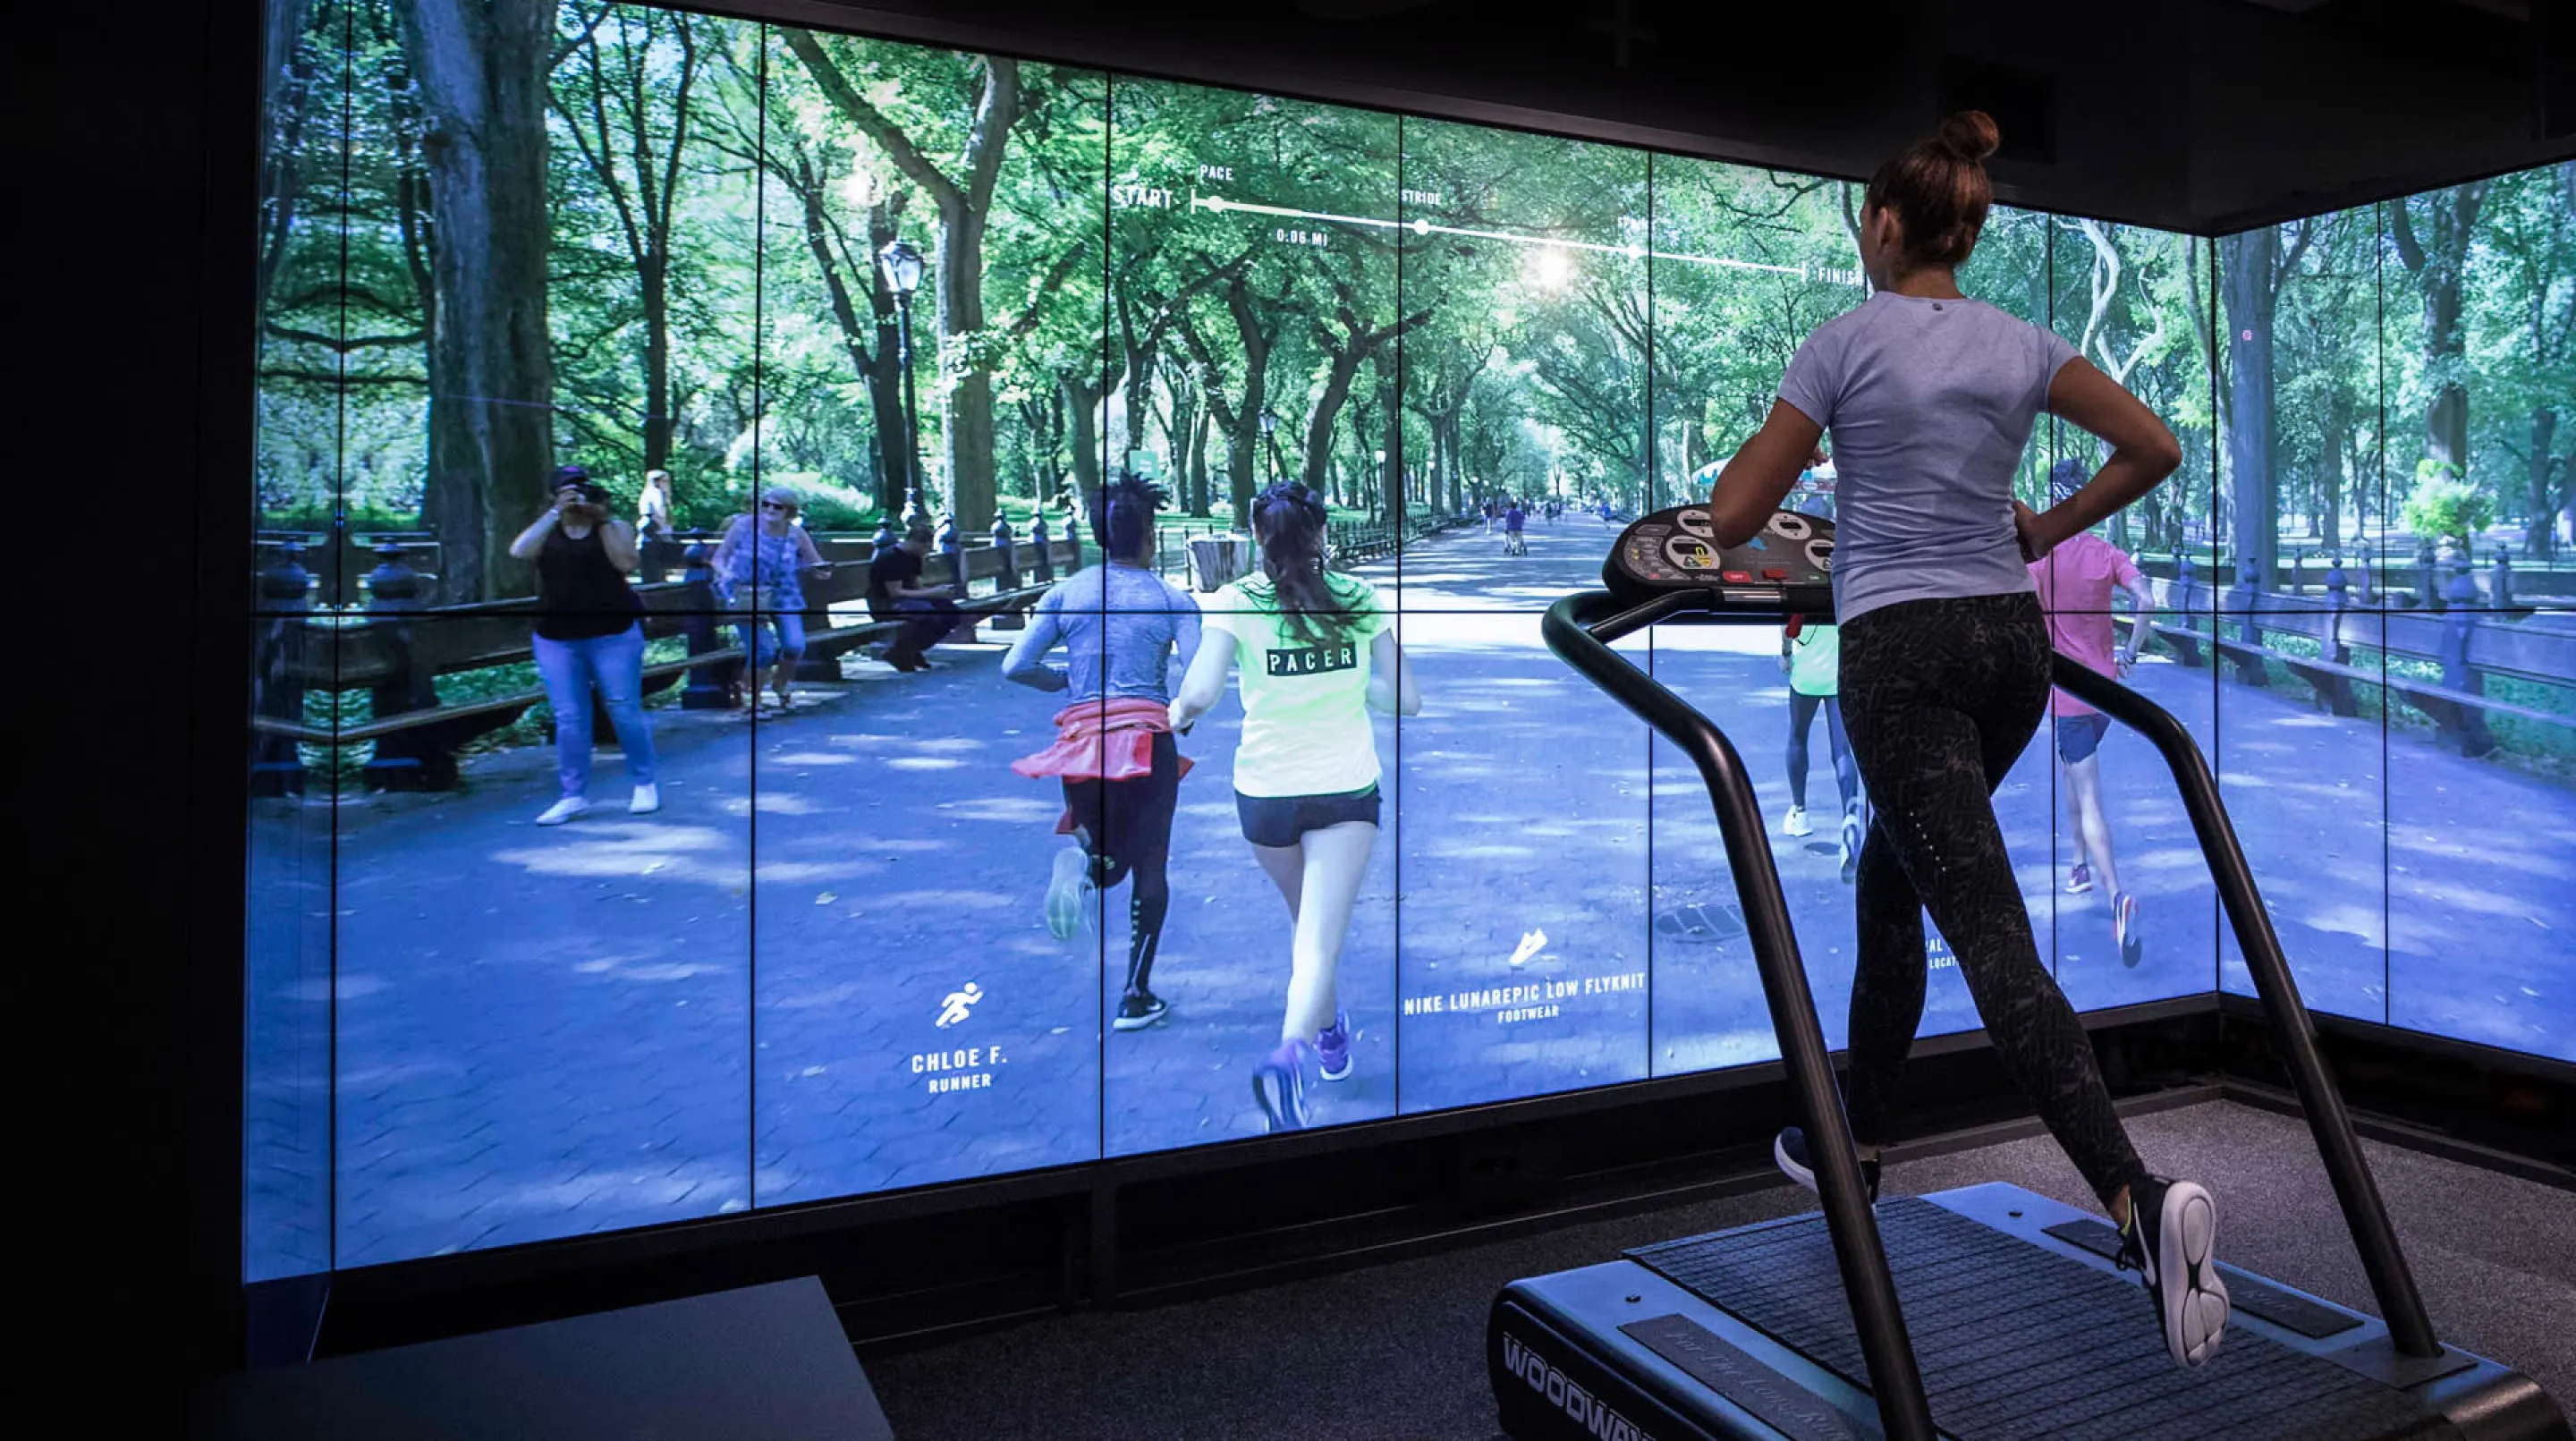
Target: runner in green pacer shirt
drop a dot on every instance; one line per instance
(1813, 660)
(1317, 656)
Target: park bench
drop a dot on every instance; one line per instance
(2468, 645)
(397, 649)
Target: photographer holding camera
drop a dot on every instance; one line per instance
(590, 635)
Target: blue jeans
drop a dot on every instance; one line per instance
(615, 665)
(790, 645)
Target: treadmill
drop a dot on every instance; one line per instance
(1977, 1314)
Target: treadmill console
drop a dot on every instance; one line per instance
(1785, 570)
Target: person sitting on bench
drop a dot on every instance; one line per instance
(895, 591)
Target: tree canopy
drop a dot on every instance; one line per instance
(510, 234)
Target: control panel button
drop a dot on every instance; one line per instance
(1775, 573)
(1739, 575)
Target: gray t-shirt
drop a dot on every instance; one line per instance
(1930, 403)
(1119, 626)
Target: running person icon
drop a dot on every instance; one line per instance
(1120, 624)
(1316, 657)
(2075, 586)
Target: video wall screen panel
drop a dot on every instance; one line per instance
(672, 796)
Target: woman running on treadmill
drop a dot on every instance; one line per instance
(1317, 657)
(1119, 624)
(1930, 397)
(2075, 585)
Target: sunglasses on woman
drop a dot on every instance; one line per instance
(774, 505)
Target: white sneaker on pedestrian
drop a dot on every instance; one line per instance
(563, 810)
(1797, 824)
(648, 799)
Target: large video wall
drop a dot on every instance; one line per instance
(506, 237)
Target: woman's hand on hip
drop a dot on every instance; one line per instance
(2033, 529)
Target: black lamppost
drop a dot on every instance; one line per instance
(902, 265)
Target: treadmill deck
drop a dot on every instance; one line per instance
(2019, 1341)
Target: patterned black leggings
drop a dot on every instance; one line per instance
(1940, 697)
(1127, 831)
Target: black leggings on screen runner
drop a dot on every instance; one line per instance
(1127, 830)
(1940, 697)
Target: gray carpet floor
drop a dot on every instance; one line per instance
(1396, 1352)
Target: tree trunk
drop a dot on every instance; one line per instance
(2437, 262)
(966, 388)
(481, 66)
(1242, 455)
(1198, 476)
(1080, 401)
(2540, 534)
(967, 410)
(2330, 473)
(1327, 411)
(2245, 277)
(1391, 473)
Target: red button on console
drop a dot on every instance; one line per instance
(1775, 575)
(1739, 575)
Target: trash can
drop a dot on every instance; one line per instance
(1218, 560)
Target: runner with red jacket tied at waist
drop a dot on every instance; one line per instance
(1120, 625)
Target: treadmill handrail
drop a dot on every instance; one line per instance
(1896, 1380)
(2391, 1282)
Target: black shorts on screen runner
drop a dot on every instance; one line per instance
(2078, 736)
(1284, 820)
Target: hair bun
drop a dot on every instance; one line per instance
(1972, 133)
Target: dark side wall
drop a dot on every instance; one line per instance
(2189, 114)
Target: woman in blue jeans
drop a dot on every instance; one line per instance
(590, 636)
(759, 569)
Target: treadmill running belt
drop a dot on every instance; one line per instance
(2016, 1341)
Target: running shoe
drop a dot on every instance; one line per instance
(1333, 1048)
(2124, 927)
(562, 811)
(1137, 1010)
(2080, 879)
(2169, 1240)
(1279, 1085)
(1789, 1150)
(1797, 824)
(1068, 897)
(1851, 845)
(647, 800)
